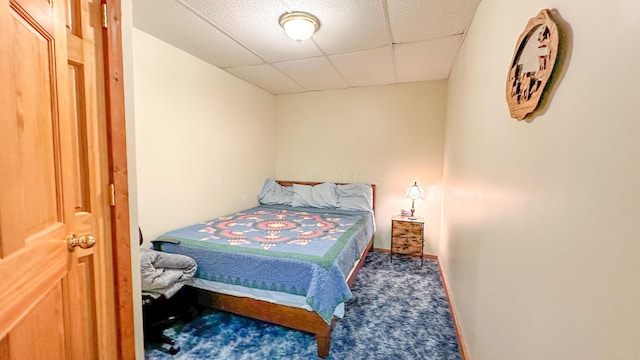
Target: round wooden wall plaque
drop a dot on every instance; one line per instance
(532, 65)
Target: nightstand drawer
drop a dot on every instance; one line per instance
(406, 245)
(404, 229)
(403, 224)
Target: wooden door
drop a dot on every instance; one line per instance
(56, 302)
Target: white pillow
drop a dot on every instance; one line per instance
(355, 197)
(318, 196)
(273, 193)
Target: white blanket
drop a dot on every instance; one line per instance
(164, 273)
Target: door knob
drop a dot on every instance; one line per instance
(84, 241)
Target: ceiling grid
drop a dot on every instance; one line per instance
(359, 42)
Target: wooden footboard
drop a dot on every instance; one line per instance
(291, 317)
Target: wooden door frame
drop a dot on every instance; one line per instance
(118, 177)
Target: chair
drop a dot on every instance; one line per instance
(163, 275)
(155, 323)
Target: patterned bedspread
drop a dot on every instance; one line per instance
(301, 251)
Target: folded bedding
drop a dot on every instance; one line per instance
(163, 273)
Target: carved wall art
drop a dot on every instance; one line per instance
(532, 65)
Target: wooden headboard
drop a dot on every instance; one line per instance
(312, 183)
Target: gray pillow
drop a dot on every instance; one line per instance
(355, 197)
(318, 196)
(273, 193)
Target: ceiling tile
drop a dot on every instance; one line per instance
(426, 60)
(266, 77)
(255, 24)
(313, 73)
(359, 43)
(425, 20)
(185, 30)
(346, 25)
(367, 67)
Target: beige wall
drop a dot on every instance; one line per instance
(388, 135)
(205, 140)
(540, 232)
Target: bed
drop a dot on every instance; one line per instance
(289, 261)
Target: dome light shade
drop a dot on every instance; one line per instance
(299, 25)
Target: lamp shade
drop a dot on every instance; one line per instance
(415, 192)
(299, 25)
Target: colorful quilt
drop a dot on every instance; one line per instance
(300, 251)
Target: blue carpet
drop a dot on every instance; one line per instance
(398, 311)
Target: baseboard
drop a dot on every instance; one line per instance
(387, 251)
(461, 344)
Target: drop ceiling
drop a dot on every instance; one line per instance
(359, 42)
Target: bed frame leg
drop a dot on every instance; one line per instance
(324, 343)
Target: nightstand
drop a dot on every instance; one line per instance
(407, 236)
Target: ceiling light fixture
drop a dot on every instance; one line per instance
(299, 25)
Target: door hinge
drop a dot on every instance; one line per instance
(105, 16)
(112, 195)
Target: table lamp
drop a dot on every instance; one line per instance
(414, 192)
